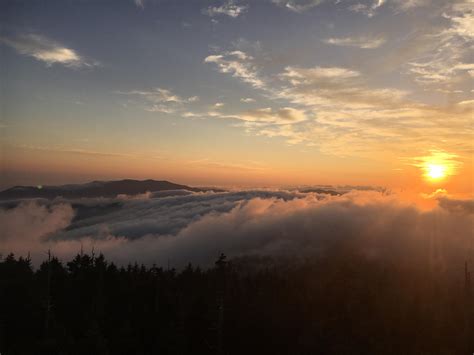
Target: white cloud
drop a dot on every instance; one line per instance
(367, 9)
(247, 100)
(351, 118)
(28, 224)
(439, 71)
(405, 5)
(46, 50)
(335, 87)
(466, 102)
(299, 76)
(229, 8)
(285, 115)
(445, 61)
(190, 114)
(298, 5)
(160, 95)
(161, 108)
(239, 64)
(359, 42)
(342, 114)
(162, 100)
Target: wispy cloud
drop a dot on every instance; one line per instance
(284, 115)
(342, 111)
(161, 100)
(228, 8)
(298, 5)
(448, 60)
(239, 64)
(350, 113)
(47, 50)
(336, 110)
(239, 166)
(367, 9)
(73, 151)
(405, 5)
(329, 86)
(309, 75)
(359, 42)
(466, 102)
(139, 3)
(218, 105)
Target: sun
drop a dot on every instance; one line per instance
(438, 165)
(435, 171)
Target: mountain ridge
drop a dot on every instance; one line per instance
(96, 188)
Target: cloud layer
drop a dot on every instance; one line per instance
(194, 228)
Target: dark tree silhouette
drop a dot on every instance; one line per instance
(339, 303)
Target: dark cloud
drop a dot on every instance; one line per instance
(453, 205)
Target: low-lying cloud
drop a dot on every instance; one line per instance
(196, 227)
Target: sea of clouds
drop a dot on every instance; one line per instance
(178, 227)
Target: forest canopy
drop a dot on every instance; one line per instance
(333, 304)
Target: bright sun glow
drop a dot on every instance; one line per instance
(438, 165)
(435, 172)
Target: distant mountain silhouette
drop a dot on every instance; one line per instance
(322, 191)
(95, 189)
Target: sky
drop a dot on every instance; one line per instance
(238, 93)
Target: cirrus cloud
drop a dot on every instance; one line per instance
(239, 64)
(359, 42)
(297, 5)
(284, 115)
(47, 50)
(161, 100)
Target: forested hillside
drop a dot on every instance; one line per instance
(337, 304)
